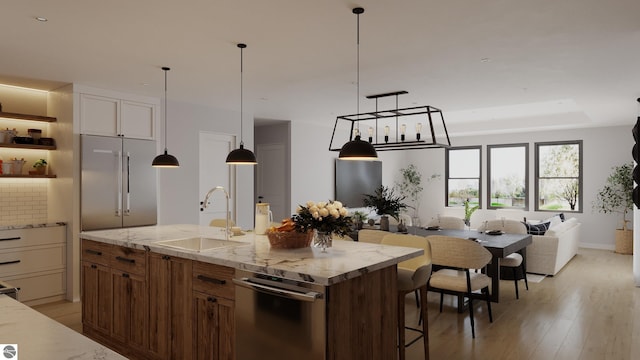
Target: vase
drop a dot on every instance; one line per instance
(384, 223)
(322, 240)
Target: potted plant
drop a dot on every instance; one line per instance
(411, 187)
(359, 218)
(617, 197)
(40, 167)
(386, 203)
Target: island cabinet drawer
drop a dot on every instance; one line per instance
(213, 279)
(128, 260)
(96, 252)
(32, 236)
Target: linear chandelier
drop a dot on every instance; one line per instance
(412, 128)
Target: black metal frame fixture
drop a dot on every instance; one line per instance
(356, 148)
(165, 160)
(398, 139)
(241, 156)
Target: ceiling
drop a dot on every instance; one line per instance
(490, 65)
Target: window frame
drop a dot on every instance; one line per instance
(580, 176)
(526, 175)
(446, 171)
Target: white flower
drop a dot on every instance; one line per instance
(313, 209)
(310, 203)
(324, 212)
(315, 214)
(338, 204)
(343, 211)
(321, 204)
(335, 213)
(331, 207)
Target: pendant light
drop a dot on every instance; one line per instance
(241, 156)
(358, 149)
(165, 160)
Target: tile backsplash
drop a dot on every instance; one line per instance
(23, 201)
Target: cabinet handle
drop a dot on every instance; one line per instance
(94, 266)
(125, 275)
(11, 238)
(93, 252)
(124, 259)
(211, 280)
(10, 262)
(211, 299)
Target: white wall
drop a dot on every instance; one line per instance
(603, 148)
(178, 201)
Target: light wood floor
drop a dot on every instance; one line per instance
(590, 310)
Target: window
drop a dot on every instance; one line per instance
(559, 176)
(463, 175)
(508, 176)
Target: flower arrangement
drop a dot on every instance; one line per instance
(326, 217)
(468, 211)
(385, 202)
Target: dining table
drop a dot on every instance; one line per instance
(499, 244)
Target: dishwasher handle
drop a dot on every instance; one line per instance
(308, 296)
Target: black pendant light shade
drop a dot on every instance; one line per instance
(241, 156)
(165, 160)
(358, 149)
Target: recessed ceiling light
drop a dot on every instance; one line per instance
(484, 60)
(41, 18)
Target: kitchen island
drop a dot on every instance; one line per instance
(150, 300)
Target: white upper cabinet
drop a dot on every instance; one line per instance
(110, 116)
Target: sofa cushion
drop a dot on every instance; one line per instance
(537, 229)
(560, 228)
(555, 220)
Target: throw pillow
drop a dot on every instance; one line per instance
(554, 220)
(537, 229)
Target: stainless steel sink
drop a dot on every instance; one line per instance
(199, 243)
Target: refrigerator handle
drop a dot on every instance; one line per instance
(119, 192)
(127, 209)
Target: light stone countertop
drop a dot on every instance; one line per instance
(31, 226)
(344, 260)
(39, 337)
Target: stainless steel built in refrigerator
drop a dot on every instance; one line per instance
(118, 182)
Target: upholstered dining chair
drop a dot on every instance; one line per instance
(413, 274)
(513, 261)
(459, 256)
(447, 222)
(371, 236)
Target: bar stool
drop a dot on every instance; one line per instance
(413, 274)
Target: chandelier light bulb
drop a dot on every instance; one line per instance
(370, 134)
(418, 130)
(403, 130)
(386, 134)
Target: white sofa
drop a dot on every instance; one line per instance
(550, 252)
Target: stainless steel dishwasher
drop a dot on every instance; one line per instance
(277, 318)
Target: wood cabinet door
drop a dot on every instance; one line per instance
(96, 297)
(214, 327)
(170, 310)
(138, 120)
(129, 309)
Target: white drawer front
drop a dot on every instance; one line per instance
(32, 259)
(39, 286)
(32, 236)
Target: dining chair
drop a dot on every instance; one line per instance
(459, 256)
(447, 222)
(371, 236)
(413, 274)
(513, 261)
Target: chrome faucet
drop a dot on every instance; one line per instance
(206, 203)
